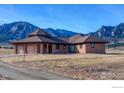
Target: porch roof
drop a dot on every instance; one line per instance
(40, 39)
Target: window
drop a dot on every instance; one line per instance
(80, 45)
(57, 46)
(64, 46)
(45, 46)
(92, 45)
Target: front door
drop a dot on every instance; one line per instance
(50, 48)
(71, 48)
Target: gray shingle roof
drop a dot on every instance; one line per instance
(40, 39)
(39, 32)
(42, 36)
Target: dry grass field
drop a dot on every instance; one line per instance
(6, 51)
(77, 66)
(49, 57)
(7, 55)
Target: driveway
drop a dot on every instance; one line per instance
(16, 73)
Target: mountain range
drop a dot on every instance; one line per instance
(19, 30)
(115, 34)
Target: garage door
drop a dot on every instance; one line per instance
(20, 49)
(30, 49)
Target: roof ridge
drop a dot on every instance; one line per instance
(39, 32)
(88, 36)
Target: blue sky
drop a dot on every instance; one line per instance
(77, 18)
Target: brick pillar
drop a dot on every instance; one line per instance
(25, 49)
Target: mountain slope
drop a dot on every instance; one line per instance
(20, 30)
(114, 34)
(60, 32)
(16, 30)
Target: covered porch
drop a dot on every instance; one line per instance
(40, 48)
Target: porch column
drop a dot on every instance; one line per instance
(25, 49)
(15, 48)
(38, 48)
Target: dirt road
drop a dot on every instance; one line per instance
(16, 73)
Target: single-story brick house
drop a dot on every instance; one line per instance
(41, 42)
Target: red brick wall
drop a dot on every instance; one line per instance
(60, 50)
(31, 48)
(26, 48)
(86, 48)
(99, 48)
